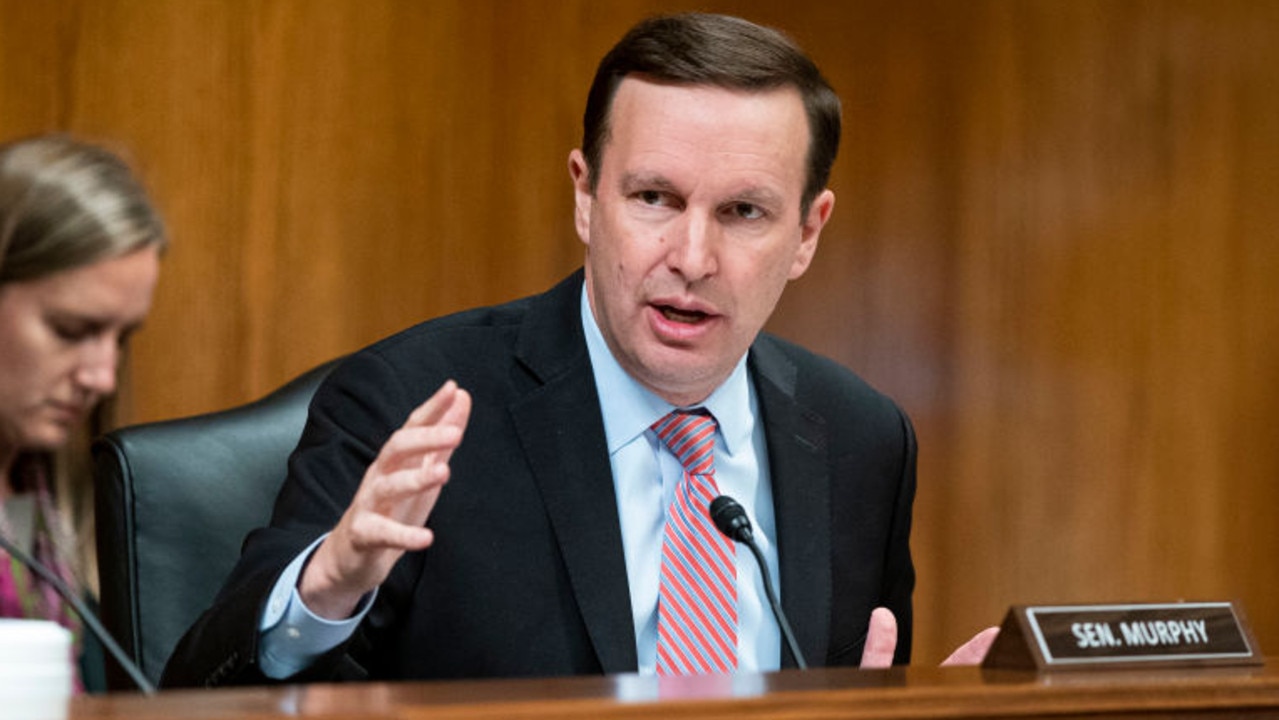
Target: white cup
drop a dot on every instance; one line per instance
(36, 670)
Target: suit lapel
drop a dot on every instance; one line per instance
(798, 460)
(562, 433)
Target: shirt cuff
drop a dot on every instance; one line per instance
(292, 637)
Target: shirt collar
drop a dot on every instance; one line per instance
(629, 408)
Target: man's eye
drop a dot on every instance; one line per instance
(651, 197)
(746, 211)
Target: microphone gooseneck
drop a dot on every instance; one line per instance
(731, 520)
(90, 620)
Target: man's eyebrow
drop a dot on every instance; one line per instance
(762, 196)
(634, 182)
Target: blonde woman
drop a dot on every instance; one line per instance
(80, 247)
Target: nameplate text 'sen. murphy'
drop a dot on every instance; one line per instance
(1183, 634)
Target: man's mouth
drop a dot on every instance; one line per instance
(689, 317)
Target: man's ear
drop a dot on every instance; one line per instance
(582, 196)
(810, 230)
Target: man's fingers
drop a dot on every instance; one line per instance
(459, 411)
(449, 404)
(881, 640)
(456, 416)
(404, 485)
(433, 409)
(973, 651)
(408, 446)
(371, 532)
(436, 426)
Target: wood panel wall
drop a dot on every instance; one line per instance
(1055, 240)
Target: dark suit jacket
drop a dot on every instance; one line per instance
(526, 576)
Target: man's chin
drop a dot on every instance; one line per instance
(682, 380)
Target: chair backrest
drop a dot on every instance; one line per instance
(174, 501)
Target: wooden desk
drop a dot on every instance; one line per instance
(835, 693)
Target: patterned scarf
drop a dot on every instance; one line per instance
(23, 594)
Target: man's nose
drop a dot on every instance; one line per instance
(694, 247)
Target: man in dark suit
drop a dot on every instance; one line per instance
(536, 545)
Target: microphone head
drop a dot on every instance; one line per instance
(730, 518)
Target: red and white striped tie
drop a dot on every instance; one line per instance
(697, 604)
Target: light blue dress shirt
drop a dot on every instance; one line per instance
(645, 474)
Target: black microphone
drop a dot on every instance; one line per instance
(731, 520)
(90, 620)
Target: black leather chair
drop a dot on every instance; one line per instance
(174, 500)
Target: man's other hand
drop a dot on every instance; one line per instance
(881, 640)
(881, 643)
(973, 651)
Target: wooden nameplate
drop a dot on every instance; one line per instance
(1089, 637)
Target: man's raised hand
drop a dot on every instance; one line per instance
(387, 516)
